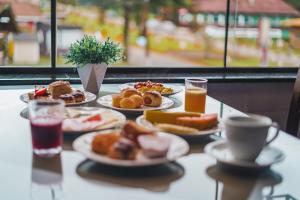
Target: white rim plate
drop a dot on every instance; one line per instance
(143, 122)
(107, 102)
(85, 111)
(178, 148)
(89, 97)
(220, 151)
(176, 89)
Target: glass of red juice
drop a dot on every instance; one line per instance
(46, 118)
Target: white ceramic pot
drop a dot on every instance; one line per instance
(91, 76)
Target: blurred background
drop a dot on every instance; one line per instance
(156, 33)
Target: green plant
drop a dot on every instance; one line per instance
(89, 50)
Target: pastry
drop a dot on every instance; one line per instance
(154, 146)
(78, 96)
(68, 98)
(205, 121)
(150, 86)
(138, 100)
(123, 149)
(116, 98)
(131, 131)
(102, 142)
(127, 103)
(58, 88)
(176, 129)
(166, 117)
(129, 92)
(152, 98)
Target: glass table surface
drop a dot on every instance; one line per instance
(71, 176)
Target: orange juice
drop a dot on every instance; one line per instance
(195, 100)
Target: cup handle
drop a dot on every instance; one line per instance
(275, 125)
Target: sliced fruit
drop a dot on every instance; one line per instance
(93, 118)
(206, 121)
(167, 117)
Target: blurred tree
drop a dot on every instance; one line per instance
(294, 3)
(71, 2)
(139, 10)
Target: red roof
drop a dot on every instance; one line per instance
(271, 7)
(23, 8)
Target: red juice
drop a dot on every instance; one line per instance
(46, 132)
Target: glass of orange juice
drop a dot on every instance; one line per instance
(195, 94)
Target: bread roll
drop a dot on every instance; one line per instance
(129, 92)
(152, 98)
(138, 100)
(127, 103)
(116, 98)
(102, 142)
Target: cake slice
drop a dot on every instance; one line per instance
(58, 88)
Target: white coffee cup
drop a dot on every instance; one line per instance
(247, 135)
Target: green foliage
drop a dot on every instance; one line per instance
(294, 3)
(90, 51)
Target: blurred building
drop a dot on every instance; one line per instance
(27, 15)
(245, 16)
(249, 12)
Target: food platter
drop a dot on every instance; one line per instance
(175, 89)
(201, 133)
(178, 148)
(73, 125)
(106, 101)
(89, 97)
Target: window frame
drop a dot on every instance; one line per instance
(53, 69)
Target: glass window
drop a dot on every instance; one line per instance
(168, 33)
(271, 38)
(23, 33)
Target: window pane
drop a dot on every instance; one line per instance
(24, 27)
(172, 33)
(264, 33)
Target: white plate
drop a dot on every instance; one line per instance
(220, 151)
(143, 122)
(86, 111)
(89, 97)
(107, 102)
(176, 89)
(178, 148)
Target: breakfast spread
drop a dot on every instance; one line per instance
(131, 99)
(58, 90)
(181, 122)
(151, 86)
(133, 140)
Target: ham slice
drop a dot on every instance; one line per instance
(82, 124)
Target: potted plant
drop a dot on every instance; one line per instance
(91, 57)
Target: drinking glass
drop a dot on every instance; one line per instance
(46, 126)
(195, 94)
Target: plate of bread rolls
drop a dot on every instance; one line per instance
(184, 124)
(131, 146)
(132, 100)
(59, 90)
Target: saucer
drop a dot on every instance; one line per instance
(220, 151)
